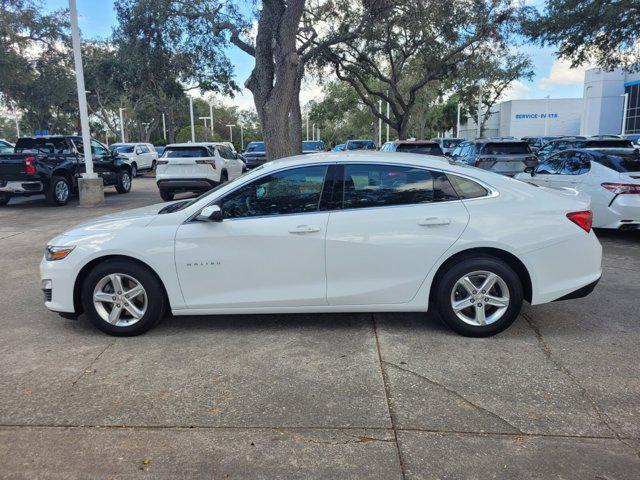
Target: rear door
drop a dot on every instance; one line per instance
(391, 225)
(545, 172)
(574, 169)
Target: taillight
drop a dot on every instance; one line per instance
(207, 162)
(30, 168)
(622, 188)
(583, 219)
(485, 160)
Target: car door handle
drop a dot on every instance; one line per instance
(304, 229)
(434, 222)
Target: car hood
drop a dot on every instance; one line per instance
(138, 217)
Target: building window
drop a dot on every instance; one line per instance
(632, 115)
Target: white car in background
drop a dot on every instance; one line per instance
(141, 156)
(331, 232)
(196, 168)
(609, 177)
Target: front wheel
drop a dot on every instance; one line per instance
(134, 170)
(166, 195)
(4, 199)
(123, 298)
(124, 182)
(479, 297)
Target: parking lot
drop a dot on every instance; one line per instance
(378, 396)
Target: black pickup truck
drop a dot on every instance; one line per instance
(51, 165)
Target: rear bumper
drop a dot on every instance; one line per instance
(581, 292)
(21, 188)
(186, 185)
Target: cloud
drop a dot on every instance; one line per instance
(561, 73)
(516, 91)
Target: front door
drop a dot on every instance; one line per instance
(395, 223)
(268, 251)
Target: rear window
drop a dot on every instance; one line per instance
(360, 145)
(42, 144)
(255, 147)
(506, 148)
(319, 146)
(613, 143)
(466, 188)
(423, 149)
(622, 162)
(450, 143)
(185, 152)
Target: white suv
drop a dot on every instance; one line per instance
(141, 156)
(196, 167)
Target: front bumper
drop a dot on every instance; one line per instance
(21, 187)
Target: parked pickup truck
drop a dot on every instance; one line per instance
(51, 165)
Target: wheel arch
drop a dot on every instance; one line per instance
(507, 257)
(63, 172)
(84, 272)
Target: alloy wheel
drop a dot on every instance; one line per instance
(120, 299)
(480, 298)
(62, 191)
(126, 181)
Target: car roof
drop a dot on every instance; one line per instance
(196, 144)
(414, 142)
(498, 140)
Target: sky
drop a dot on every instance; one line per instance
(553, 78)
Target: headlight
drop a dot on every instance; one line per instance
(57, 253)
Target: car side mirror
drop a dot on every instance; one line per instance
(211, 213)
(530, 170)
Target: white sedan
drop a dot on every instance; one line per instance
(347, 232)
(610, 178)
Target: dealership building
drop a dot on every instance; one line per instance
(608, 97)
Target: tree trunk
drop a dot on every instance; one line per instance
(403, 127)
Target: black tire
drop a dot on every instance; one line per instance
(153, 166)
(156, 302)
(166, 195)
(58, 192)
(447, 282)
(124, 182)
(224, 177)
(134, 170)
(4, 198)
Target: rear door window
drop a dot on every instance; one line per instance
(366, 186)
(576, 163)
(621, 162)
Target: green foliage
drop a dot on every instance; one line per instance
(602, 31)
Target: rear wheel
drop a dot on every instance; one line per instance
(134, 170)
(124, 182)
(479, 297)
(224, 177)
(58, 192)
(123, 298)
(4, 198)
(153, 166)
(166, 195)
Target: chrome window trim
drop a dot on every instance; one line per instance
(492, 192)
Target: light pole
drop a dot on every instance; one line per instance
(241, 137)
(387, 123)
(211, 118)
(230, 132)
(625, 105)
(458, 122)
(546, 117)
(379, 123)
(121, 124)
(205, 120)
(164, 127)
(307, 127)
(91, 187)
(193, 127)
(478, 129)
(313, 131)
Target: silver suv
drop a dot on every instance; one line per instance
(507, 157)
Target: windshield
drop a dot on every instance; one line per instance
(613, 143)
(423, 149)
(43, 144)
(360, 145)
(620, 162)
(451, 142)
(506, 148)
(185, 152)
(306, 146)
(255, 147)
(177, 206)
(123, 148)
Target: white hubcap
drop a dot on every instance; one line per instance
(120, 299)
(480, 298)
